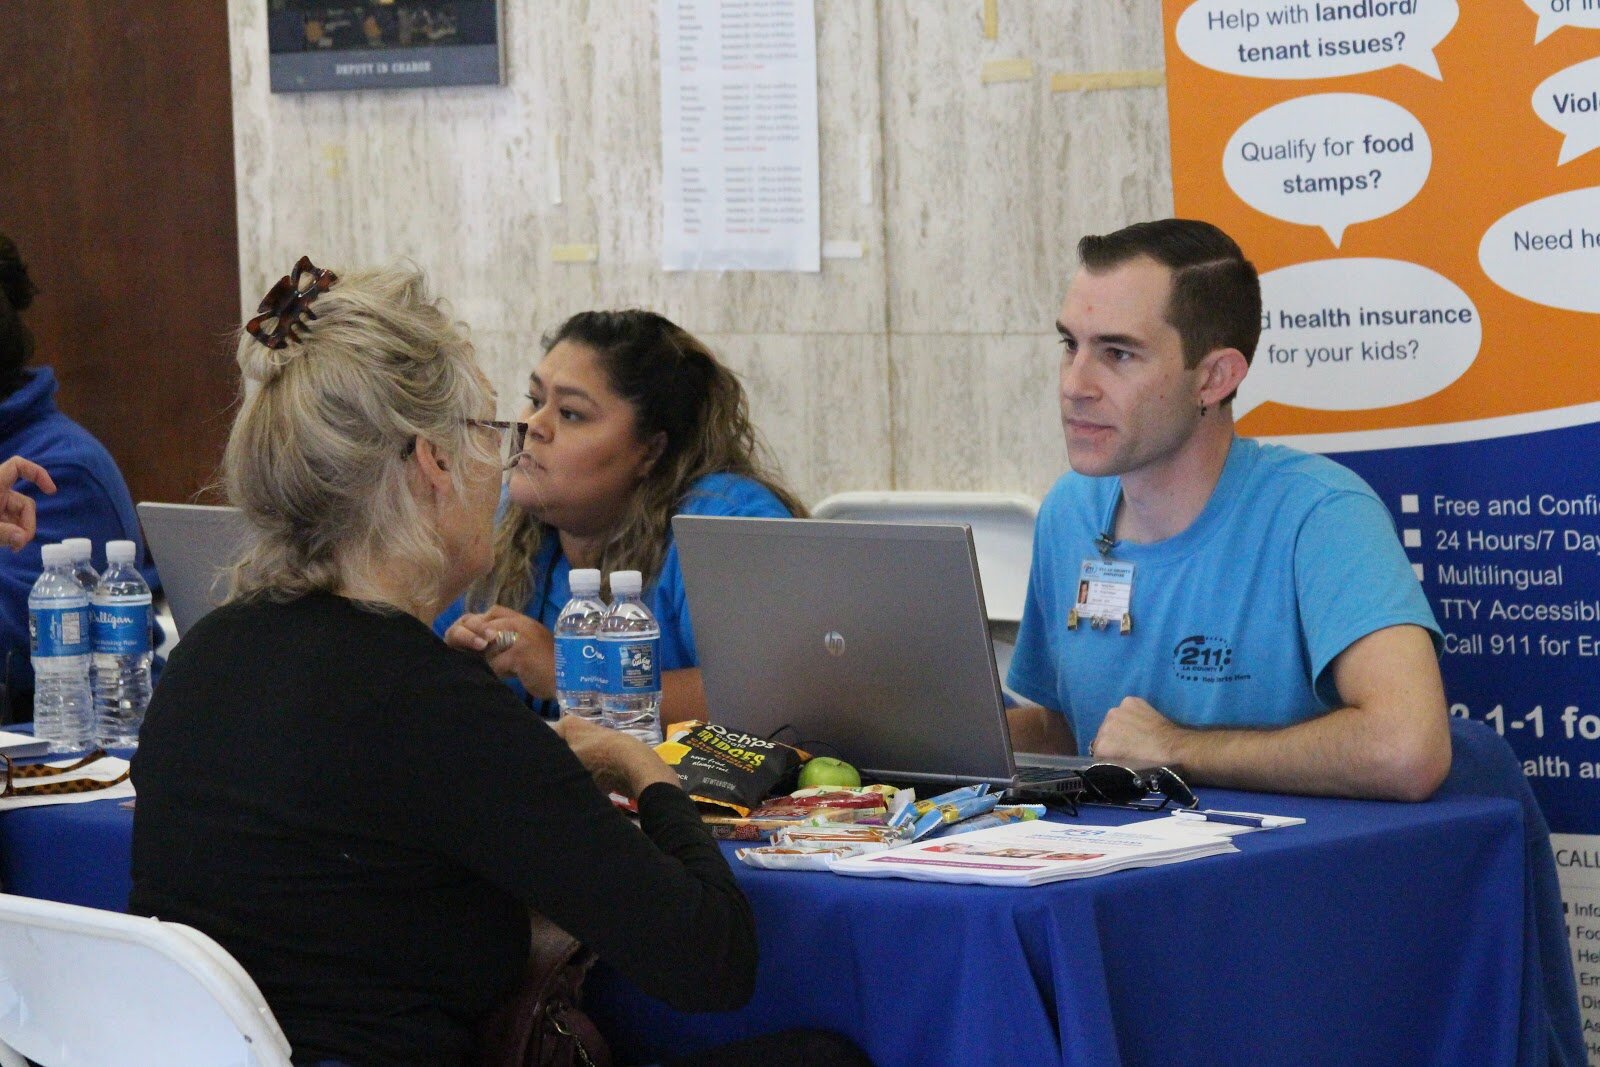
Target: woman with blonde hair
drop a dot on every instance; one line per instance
(360, 814)
(630, 420)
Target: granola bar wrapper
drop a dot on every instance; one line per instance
(783, 858)
(808, 807)
(857, 837)
(1000, 816)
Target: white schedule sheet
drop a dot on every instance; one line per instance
(739, 135)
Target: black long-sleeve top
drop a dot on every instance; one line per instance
(362, 816)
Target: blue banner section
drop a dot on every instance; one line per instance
(1506, 533)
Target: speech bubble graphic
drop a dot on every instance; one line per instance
(1356, 334)
(1554, 14)
(1548, 251)
(1329, 160)
(1569, 102)
(1322, 39)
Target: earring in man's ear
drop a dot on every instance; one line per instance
(1202, 411)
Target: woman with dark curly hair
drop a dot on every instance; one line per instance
(630, 420)
(91, 500)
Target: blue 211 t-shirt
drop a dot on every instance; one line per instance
(1236, 619)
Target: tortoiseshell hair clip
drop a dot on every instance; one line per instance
(287, 301)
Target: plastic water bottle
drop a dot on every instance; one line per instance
(78, 551)
(58, 638)
(580, 663)
(120, 606)
(631, 640)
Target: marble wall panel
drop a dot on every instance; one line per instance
(990, 186)
(822, 403)
(927, 363)
(466, 180)
(976, 412)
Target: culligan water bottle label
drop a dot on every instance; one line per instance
(633, 667)
(580, 663)
(122, 629)
(59, 631)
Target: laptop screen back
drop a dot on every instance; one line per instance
(192, 545)
(869, 640)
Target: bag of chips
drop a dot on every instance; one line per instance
(728, 768)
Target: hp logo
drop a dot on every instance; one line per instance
(833, 641)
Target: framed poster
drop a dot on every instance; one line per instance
(383, 44)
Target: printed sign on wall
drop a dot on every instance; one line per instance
(383, 44)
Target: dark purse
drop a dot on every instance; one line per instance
(543, 1025)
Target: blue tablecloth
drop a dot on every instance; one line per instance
(1375, 934)
(74, 853)
(78, 853)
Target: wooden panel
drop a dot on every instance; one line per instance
(116, 181)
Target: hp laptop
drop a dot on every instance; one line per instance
(868, 641)
(192, 545)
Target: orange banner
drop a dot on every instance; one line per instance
(1419, 185)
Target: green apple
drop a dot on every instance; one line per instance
(825, 770)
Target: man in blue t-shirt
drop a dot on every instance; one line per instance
(1197, 598)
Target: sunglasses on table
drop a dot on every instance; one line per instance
(1123, 787)
(27, 772)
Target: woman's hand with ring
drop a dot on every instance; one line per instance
(512, 644)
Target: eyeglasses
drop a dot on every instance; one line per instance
(512, 436)
(14, 771)
(287, 301)
(1112, 783)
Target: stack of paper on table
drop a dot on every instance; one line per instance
(17, 745)
(1032, 853)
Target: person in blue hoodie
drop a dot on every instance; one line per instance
(91, 499)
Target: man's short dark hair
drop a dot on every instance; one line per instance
(1216, 296)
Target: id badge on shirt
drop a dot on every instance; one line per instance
(1105, 594)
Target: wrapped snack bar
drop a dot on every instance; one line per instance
(857, 838)
(1000, 816)
(780, 858)
(807, 807)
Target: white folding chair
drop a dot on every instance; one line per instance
(1002, 534)
(81, 987)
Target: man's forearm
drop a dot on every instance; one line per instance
(1037, 729)
(1391, 741)
(1342, 753)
